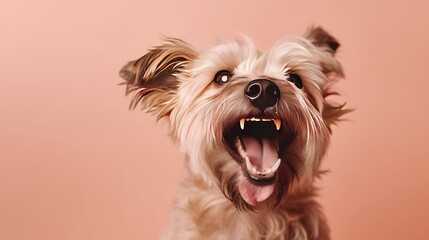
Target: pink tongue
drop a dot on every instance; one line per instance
(253, 194)
(262, 154)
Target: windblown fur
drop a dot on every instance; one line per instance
(220, 199)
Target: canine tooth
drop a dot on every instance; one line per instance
(241, 150)
(248, 164)
(278, 123)
(242, 123)
(254, 170)
(276, 165)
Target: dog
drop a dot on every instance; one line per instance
(254, 127)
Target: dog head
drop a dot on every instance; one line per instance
(249, 122)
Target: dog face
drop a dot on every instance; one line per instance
(249, 122)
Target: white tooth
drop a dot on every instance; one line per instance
(278, 123)
(248, 164)
(276, 165)
(254, 170)
(268, 171)
(242, 123)
(239, 147)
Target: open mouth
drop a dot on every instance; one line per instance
(257, 144)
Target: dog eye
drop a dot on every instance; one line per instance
(296, 80)
(222, 77)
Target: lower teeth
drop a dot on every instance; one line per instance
(268, 173)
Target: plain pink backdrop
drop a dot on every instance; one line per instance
(75, 163)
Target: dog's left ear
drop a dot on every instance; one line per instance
(327, 46)
(154, 78)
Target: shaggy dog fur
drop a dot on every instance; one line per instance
(254, 127)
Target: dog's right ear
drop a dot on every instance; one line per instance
(154, 78)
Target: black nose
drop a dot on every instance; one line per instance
(262, 93)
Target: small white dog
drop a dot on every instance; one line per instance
(254, 127)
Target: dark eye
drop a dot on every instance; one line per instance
(222, 77)
(295, 79)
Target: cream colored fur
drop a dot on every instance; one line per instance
(175, 82)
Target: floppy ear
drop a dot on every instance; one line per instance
(327, 46)
(154, 78)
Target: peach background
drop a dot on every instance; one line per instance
(76, 164)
